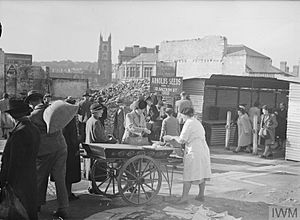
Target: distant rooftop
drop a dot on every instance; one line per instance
(145, 57)
(243, 50)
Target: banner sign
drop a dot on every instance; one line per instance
(168, 86)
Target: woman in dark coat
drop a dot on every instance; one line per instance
(268, 124)
(18, 167)
(73, 171)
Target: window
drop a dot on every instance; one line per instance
(137, 72)
(104, 56)
(132, 72)
(105, 47)
(147, 72)
(127, 72)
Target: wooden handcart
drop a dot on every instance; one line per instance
(133, 172)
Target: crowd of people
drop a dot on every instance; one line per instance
(126, 114)
(31, 155)
(271, 127)
(55, 156)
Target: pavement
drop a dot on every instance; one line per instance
(242, 186)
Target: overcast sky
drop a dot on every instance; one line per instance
(69, 30)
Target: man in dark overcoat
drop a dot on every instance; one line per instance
(281, 116)
(18, 167)
(119, 121)
(102, 119)
(73, 170)
(151, 118)
(84, 114)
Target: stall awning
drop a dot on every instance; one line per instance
(247, 82)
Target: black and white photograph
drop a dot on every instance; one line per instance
(163, 110)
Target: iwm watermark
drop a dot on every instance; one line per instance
(284, 213)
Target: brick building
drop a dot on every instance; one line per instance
(131, 52)
(142, 66)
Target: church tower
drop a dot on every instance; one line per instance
(104, 60)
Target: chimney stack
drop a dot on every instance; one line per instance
(296, 70)
(156, 49)
(283, 66)
(136, 50)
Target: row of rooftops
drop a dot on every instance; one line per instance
(229, 51)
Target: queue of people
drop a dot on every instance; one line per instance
(271, 128)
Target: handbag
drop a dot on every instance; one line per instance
(264, 133)
(9, 202)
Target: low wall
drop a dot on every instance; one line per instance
(61, 88)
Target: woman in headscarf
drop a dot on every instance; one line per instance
(244, 131)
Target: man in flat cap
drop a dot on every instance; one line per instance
(94, 129)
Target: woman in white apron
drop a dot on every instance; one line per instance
(197, 168)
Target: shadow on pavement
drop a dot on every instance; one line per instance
(236, 208)
(86, 206)
(89, 205)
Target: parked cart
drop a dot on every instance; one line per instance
(133, 172)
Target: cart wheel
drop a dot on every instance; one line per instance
(104, 178)
(139, 180)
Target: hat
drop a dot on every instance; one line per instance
(86, 94)
(17, 106)
(70, 100)
(242, 106)
(96, 107)
(31, 94)
(100, 99)
(47, 95)
(142, 104)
